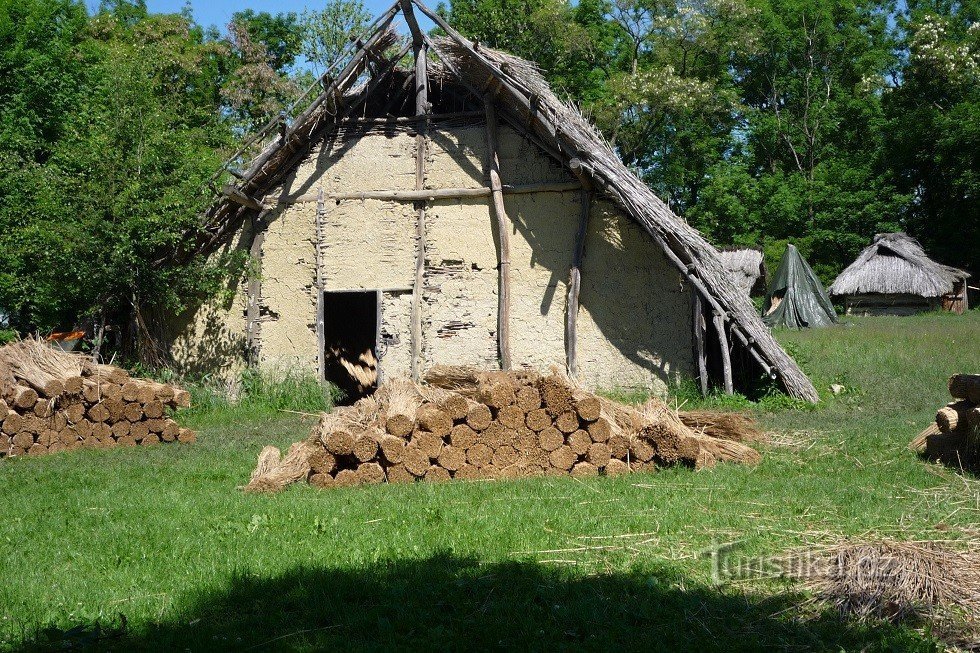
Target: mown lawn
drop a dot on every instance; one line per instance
(156, 549)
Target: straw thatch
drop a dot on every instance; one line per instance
(748, 269)
(893, 580)
(525, 102)
(896, 264)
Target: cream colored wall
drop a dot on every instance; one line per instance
(287, 332)
(460, 300)
(634, 324)
(366, 244)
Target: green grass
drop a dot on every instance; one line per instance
(156, 550)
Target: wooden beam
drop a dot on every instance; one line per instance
(410, 120)
(575, 285)
(413, 24)
(698, 325)
(726, 356)
(321, 353)
(252, 332)
(503, 232)
(431, 194)
(238, 197)
(421, 147)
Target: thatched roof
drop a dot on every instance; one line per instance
(526, 103)
(896, 264)
(747, 266)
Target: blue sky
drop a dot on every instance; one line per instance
(218, 12)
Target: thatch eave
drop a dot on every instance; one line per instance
(896, 264)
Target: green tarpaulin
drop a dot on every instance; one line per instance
(796, 297)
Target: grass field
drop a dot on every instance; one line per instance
(156, 550)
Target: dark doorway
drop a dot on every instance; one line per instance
(350, 338)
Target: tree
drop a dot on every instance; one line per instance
(281, 34)
(256, 90)
(933, 128)
(121, 178)
(327, 32)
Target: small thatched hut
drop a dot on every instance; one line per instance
(748, 269)
(454, 210)
(894, 276)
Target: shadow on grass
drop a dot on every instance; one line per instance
(451, 603)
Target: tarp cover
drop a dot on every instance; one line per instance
(796, 297)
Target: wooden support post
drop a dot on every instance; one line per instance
(420, 52)
(321, 353)
(252, 329)
(575, 284)
(503, 232)
(726, 355)
(699, 329)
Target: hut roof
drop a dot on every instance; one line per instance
(526, 103)
(748, 267)
(895, 264)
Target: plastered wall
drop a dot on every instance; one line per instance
(634, 323)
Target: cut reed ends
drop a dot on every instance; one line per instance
(470, 424)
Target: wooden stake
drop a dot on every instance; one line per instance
(239, 197)
(575, 284)
(321, 337)
(421, 109)
(503, 231)
(726, 357)
(252, 328)
(699, 328)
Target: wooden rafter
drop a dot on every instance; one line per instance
(422, 109)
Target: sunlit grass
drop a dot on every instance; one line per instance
(162, 536)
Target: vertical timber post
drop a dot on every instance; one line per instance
(726, 356)
(321, 344)
(503, 232)
(575, 283)
(698, 325)
(420, 52)
(252, 329)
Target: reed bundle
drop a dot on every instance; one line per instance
(489, 425)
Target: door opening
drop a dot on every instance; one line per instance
(350, 340)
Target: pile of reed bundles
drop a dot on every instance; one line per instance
(52, 401)
(954, 438)
(468, 424)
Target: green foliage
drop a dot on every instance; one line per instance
(327, 32)
(281, 34)
(933, 130)
(261, 393)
